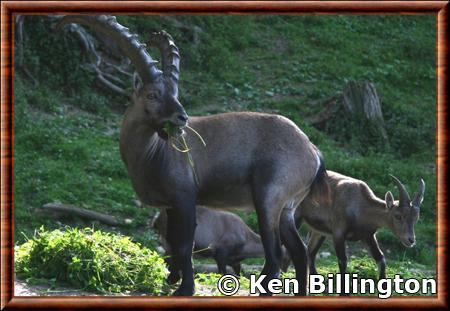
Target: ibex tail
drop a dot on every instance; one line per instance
(319, 191)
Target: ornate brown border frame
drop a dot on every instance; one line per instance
(8, 8)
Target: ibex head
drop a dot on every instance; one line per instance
(155, 92)
(404, 213)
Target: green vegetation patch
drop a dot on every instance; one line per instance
(91, 260)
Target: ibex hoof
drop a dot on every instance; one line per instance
(184, 292)
(173, 278)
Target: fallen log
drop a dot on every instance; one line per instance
(58, 210)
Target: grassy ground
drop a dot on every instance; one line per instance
(67, 128)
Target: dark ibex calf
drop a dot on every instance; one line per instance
(221, 235)
(355, 213)
(251, 160)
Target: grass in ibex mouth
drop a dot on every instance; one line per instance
(178, 142)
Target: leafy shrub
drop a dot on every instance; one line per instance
(92, 260)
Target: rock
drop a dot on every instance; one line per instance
(325, 254)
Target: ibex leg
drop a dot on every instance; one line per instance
(174, 270)
(237, 267)
(296, 247)
(339, 246)
(180, 232)
(268, 212)
(220, 256)
(377, 254)
(315, 242)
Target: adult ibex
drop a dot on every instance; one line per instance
(250, 160)
(221, 235)
(355, 213)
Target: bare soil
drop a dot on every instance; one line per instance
(21, 288)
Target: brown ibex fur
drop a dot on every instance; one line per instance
(221, 235)
(354, 213)
(251, 160)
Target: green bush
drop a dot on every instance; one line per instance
(91, 260)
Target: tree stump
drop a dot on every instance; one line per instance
(362, 102)
(354, 114)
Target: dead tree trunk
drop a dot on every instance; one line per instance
(356, 113)
(361, 101)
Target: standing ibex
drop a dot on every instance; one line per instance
(250, 160)
(221, 235)
(355, 213)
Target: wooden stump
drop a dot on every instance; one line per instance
(361, 101)
(355, 113)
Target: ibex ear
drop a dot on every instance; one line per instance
(137, 82)
(389, 198)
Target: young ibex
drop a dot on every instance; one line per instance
(355, 213)
(221, 235)
(250, 160)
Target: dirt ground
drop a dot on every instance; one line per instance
(21, 288)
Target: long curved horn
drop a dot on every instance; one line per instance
(127, 42)
(404, 196)
(170, 58)
(419, 195)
